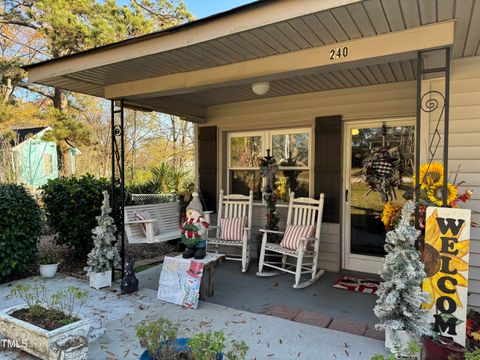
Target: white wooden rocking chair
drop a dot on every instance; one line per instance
(304, 212)
(230, 207)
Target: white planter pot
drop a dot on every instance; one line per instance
(48, 270)
(101, 280)
(396, 341)
(40, 342)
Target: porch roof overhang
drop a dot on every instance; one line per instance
(184, 70)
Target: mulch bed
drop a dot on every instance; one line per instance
(74, 267)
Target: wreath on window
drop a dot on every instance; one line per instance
(382, 171)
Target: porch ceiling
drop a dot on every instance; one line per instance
(345, 20)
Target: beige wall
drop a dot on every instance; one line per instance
(364, 103)
(379, 101)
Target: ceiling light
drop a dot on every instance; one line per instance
(261, 88)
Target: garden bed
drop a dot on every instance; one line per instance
(48, 319)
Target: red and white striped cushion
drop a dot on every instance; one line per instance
(294, 233)
(232, 228)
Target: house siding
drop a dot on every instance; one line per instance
(464, 149)
(30, 156)
(366, 103)
(370, 102)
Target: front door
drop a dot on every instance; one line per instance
(379, 164)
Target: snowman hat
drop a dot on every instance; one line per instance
(195, 204)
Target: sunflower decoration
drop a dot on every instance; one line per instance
(435, 194)
(432, 259)
(390, 214)
(431, 175)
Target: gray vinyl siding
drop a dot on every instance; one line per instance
(464, 149)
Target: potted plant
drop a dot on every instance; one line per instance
(400, 295)
(48, 262)
(47, 325)
(441, 347)
(104, 254)
(410, 352)
(160, 339)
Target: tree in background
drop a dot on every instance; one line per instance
(37, 30)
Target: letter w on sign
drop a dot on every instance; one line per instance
(446, 256)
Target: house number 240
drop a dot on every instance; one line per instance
(339, 53)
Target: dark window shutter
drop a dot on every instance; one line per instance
(328, 165)
(207, 165)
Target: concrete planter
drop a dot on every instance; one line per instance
(101, 280)
(43, 343)
(48, 270)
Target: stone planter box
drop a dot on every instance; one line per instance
(37, 341)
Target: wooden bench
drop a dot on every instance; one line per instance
(166, 215)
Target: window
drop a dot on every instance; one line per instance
(47, 164)
(291, 148)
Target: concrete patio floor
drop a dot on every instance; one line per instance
(115, 316)
(246, 291)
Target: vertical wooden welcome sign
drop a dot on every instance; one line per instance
(446, 256)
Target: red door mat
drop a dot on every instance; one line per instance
(351, 283)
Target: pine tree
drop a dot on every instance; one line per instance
(104, 253)
(400, 294)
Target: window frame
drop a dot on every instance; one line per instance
(49, 164)
(267, 141)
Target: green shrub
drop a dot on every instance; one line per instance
(20, 224)
(71, 206)
(48, 258)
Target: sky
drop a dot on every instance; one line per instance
(204, 8)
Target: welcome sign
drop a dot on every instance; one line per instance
(180, 281)
(446, 256)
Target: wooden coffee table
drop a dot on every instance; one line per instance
(207, 286)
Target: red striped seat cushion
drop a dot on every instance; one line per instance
(293, 234)
(232, 228)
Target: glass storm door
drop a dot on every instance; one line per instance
(379, 165)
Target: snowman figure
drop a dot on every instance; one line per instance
(194, 230)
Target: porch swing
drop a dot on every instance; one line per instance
(152, 223)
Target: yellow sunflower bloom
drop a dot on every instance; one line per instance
(390, 213)
(431, 174)
(432, 260)
(435, 194)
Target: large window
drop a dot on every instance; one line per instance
(292, 150)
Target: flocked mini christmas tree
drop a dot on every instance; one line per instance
(400, 294)
(104, 254)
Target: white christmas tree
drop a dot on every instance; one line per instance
(400, 294)
(104, 253)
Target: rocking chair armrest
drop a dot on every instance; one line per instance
(147, 221)
(208, 212)
(271, 231)
(212, 227)
(246, 229)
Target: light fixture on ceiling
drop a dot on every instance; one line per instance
(261, 88)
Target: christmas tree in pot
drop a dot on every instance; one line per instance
(104, 254)
(400, 295)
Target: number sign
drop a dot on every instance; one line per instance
(339, 53)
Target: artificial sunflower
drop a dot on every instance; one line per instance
(431, 174)
(390, 214)
(432, 259)
(435, 194)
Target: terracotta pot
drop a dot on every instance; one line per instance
(434, 350)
